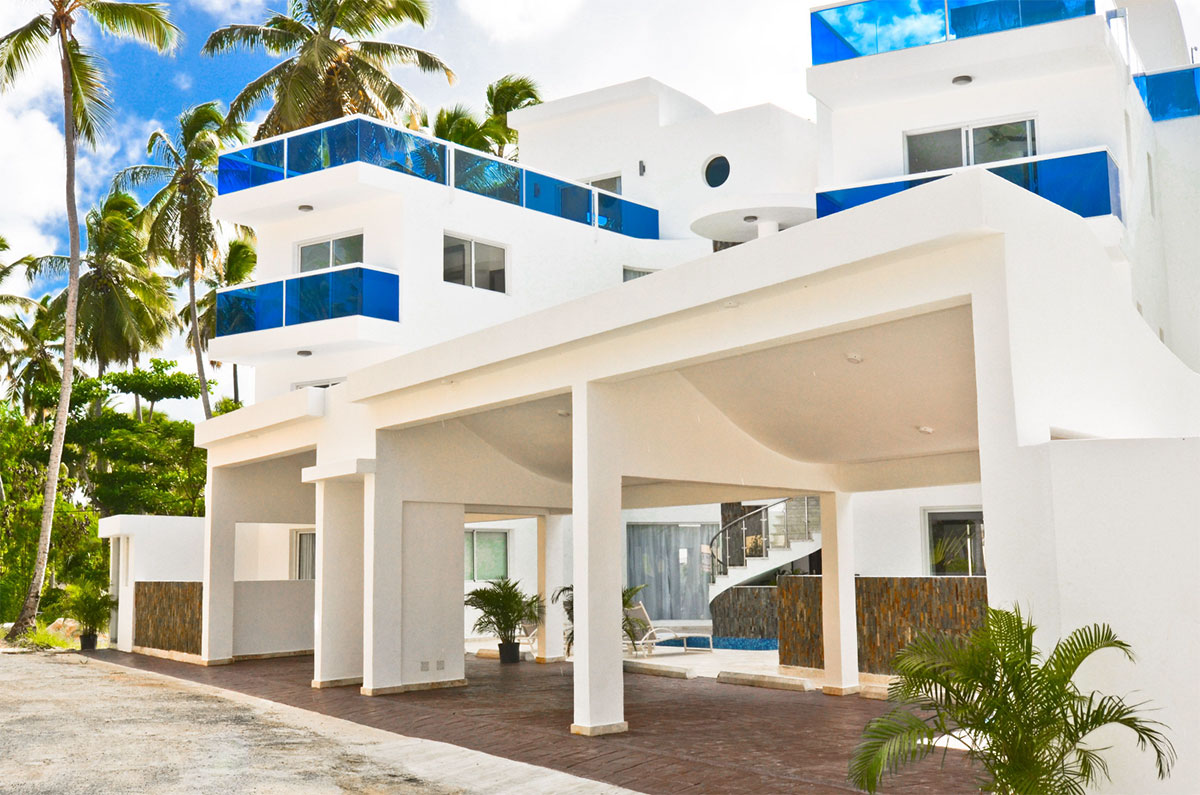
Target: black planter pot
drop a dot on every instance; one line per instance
(87, 642)
(510, 652)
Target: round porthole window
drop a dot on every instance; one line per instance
(717, 171)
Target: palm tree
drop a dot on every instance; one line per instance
(509, 93)
(179, 225)
(460, 126)
(85, 110)
(1021, 717)
(10, 324)
(331, 69)
(125, 308)
(33, 356)
(237, 267)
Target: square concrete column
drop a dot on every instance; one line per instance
(412, 592)
(222, 505)
(551, 531)
(596, 500)
(838, 607)
(338, 613)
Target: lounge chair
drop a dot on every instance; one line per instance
(528, 635)
(647, 635)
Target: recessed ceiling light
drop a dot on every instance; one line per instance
(751, 219)
(447, 380)
(854, 358)
(304, 353)
(563, 412)
(962, 80)
(730, 305)
(925, 429)
(307, 208)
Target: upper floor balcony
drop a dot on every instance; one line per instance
(1086, 183)
(358, 139)
(868, 27)
(1171, 93)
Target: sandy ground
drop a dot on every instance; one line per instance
(69, 725)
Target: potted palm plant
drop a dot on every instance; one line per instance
(91, 607)
(502, 609)
(1020, 716)
(631, 626)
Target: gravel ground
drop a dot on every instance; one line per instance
(69, 725)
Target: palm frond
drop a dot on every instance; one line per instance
(275, 39)
(21, 47)
(149, 23)
(91, 101)
(889, 742)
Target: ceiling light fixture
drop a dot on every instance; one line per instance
(854, 358)
(563, 412)
(305, 208)
(730, 305)
(751, 219)
(925, 429)
(303, 354)
(962, 80)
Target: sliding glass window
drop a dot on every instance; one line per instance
(969, 145)
(331, 253)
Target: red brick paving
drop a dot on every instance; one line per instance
(684, 735)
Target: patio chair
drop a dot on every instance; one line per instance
(647, 635)
(528, 635)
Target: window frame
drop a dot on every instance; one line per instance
(507, 533)
(641, 272)
(967, 139)
(473, 240)
(591, 182)
(294, 569)
(300, 244)
(928, 516)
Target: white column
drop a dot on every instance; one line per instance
(596, 501)
(550, 530)
(221, 503)
(838, 609)
(767, 228)
(412, 591)
(338, 613)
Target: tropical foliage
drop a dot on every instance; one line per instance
(632, 627)
(1020, 715)
(90, 606)
(502, 609)
(332, 67)
(491, 133)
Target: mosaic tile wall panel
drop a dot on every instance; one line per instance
(891, 612)
(746, 612)
(168, 615)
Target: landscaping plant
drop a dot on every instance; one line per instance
(631, 626)
(1020, 715)
(91, 607)
(502, 609)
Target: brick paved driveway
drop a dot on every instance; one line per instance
(685, 735)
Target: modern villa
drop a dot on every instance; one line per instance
(968, 293)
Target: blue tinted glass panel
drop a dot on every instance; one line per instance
(247, 168)
(626, 217)
(1082, 184)
(487, 177)
(834, 201)
(308, 299)
(323, 148)
(381, 295)
(1171, 95)
(975, 17)
(250, 309)
(400, 151)
(346, 292)
(553, 196)
(875, 26)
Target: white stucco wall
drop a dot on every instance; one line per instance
(272, 616)
(891, 537)
(264, 551)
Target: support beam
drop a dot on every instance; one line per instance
(596, 501)
(838, 609)
(338, 613)
(551, 531)
(222, 505)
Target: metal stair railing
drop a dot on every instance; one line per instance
(756, 533)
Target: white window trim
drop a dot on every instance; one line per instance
(591, 182)
(967, 140)
(508, 549)
(927, 531)
(473, 239)
(327, 239)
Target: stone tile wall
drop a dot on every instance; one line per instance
(168, 615)
(891, 612)
(746, 612)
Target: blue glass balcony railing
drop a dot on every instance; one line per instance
(361, 140)
(870, 27)
(1171, 95)
(306, 298)
(1086, 183)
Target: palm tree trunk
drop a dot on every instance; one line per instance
(196, 339)
(28, 614)
(237, 397)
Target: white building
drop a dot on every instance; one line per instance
(971, 285)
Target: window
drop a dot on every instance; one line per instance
(969, 145)
(956, 544)
(629, 274)
(485, 554)
(323, 383)
(331, 253)
(716, 171)
(471, 263)
(610, 184)
(306, 555)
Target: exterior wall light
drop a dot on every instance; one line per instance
(304, 354)
(307, 208)
(563, 412)
(925, 429)
(641, 168)
(963, 80)
(854, 358)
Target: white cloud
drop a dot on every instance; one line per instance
(182, 81)
(234, 10)
(520, 20)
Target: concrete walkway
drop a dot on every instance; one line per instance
(73, 724)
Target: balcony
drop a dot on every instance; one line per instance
(1086, 183)
(346, 291)
(1173, 94)
(869, 27)
(361, 140)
